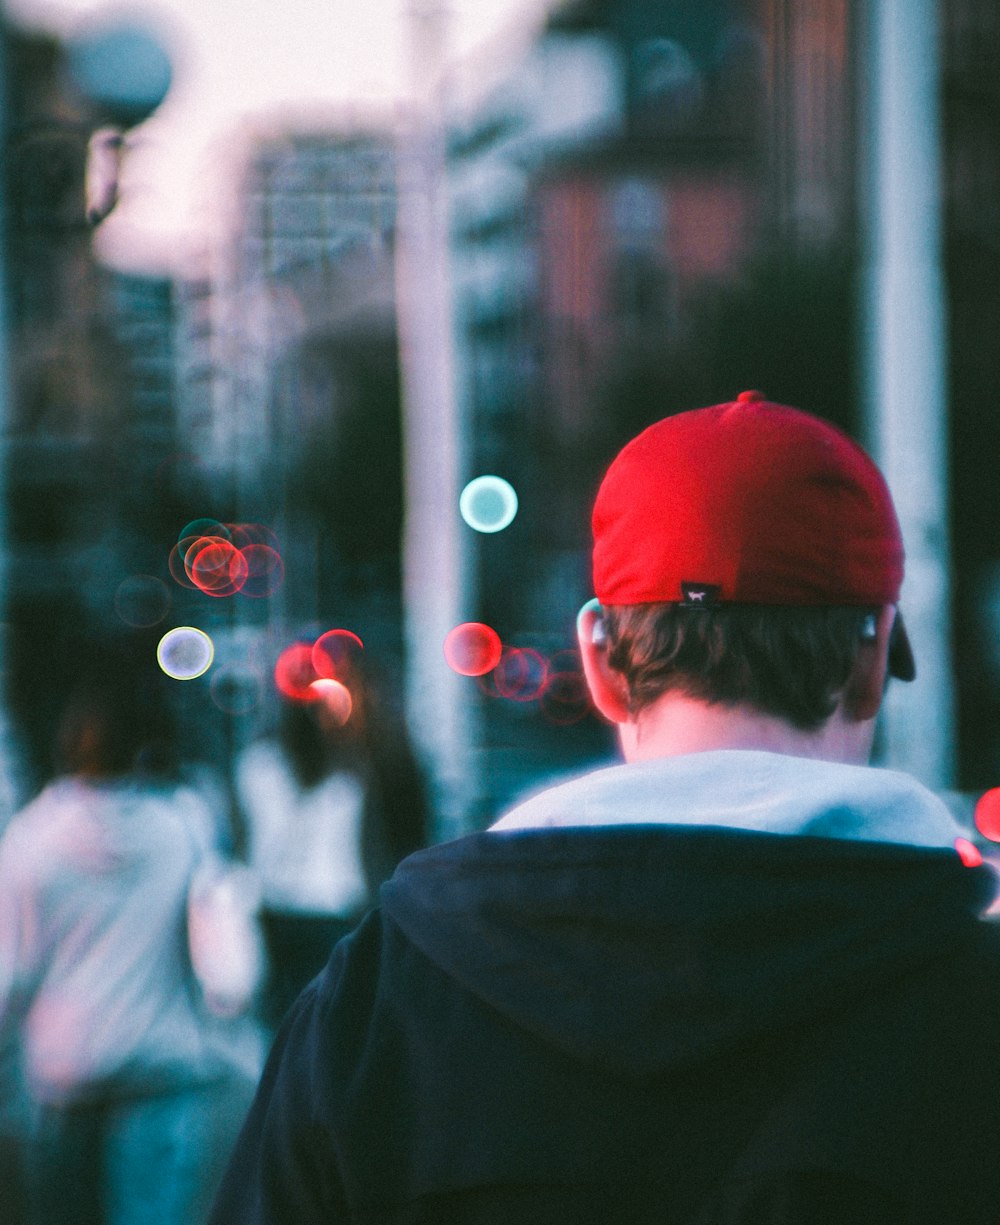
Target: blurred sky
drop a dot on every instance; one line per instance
(236, 65)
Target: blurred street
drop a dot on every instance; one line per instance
(279, 462)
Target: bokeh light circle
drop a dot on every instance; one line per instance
(185, 653)
(987, 816)
(245, 534)
(968, 852)
(487, 685)
(216, 567)
(294, 673)
(472, 648)
(336, 654)
(222, 559)
(335, 698)
(142, 600)
(203, 527)
(488, 504)
(521, 674)
(175, 563)
(191, 546)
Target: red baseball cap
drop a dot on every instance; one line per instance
(747, 502)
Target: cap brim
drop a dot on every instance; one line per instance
(901, 662)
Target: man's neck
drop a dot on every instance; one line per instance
(677, 724)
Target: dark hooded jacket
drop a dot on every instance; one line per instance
(642, 1024)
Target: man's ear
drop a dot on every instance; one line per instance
(866, 684)
(607, 687)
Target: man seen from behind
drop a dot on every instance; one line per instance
(741, 977)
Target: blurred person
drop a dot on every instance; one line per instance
(742, 977)
(132, 1091)
(330, 804)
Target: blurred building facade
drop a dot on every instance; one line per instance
(649, 201)
(90, 426)
(653, 205)
(291, 387)
(685, 223)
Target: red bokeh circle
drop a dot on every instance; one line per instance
(968, 852)
(988, 814)
(294, 673)
(217, 568)
(335, 654)
(472, 648)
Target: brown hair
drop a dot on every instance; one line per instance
(792, 662)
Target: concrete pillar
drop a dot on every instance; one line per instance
(904, 358)
(434, 565)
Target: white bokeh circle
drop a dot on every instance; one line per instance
(488, 504)
(185, 653)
